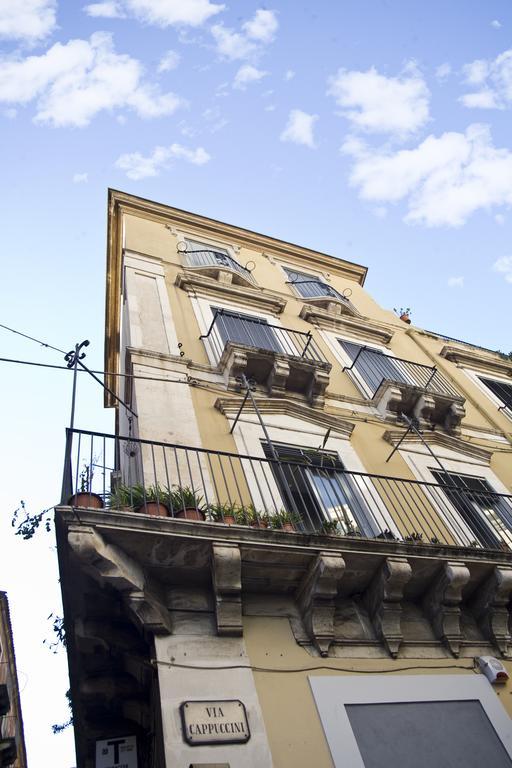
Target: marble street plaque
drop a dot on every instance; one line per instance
(214, 722)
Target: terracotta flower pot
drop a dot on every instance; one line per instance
(154, 508)
(189, 513)
(229, 520)
(288, 527)
(86, 500)
(405, 319)
(259, 524)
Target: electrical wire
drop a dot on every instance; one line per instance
(156, 662)
(31, 338)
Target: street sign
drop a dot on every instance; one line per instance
(117, 752)
(214, 722)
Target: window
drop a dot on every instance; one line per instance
(412, 721)
(501, 389)
(485, 512)
(313, 485)
(203, 255)
(245, 329)
(310, 287)
(372, 365)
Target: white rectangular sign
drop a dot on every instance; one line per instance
(117, 752)
(214, 722)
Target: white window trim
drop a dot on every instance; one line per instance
(332, 694)
(232, 249)
(420, 462)
(289, 430)
(475, 378)
(203, 311)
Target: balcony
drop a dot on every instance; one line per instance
(281, 359)
(220, 265)
(307, 491)
(399, 386)
(320, 294)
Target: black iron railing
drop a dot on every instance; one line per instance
(311, 495)
(211, 258)
(257, 333)
(314, 289)
(374, 367)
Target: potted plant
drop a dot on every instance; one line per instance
(415, 538)
(330, 528)
(404, 314)
(84, 497)
(152, 500)
(283, 520)
(186, 503)
(257, 519)
(126, 498)
(228, 513)
(351, 529)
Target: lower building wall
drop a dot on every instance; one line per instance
(292, 723)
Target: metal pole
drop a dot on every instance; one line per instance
(72, 359)
(239, 412)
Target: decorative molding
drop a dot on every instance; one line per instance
(490, 607)
(477, 359)
(200, 285)
(442, 604)
(286, 407)
(440, 440)
(346, 323)
(227, 587)
(383, 599)
(109, 564)
(316, 597)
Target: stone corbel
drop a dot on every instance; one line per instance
(227, 587)
(425, 407)
(276, 382)
(454, 416)
(318, 386)
(224, 276)
(234, 363)
(388, 398)
(108, 564)
(316, 597)
(383, 600)
(490, 607)
(442, 604)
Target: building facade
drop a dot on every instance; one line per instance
(306, 522)
(12, 742)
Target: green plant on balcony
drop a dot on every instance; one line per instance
(330, 528)
(351, 529)
(228, 513)
(256, 518)
(185, 502)
(414, 538)
(284, 520)
(125, 497)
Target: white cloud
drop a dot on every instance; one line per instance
(136, 166)
(496, 24)
(73, 82)
(299, 128)
(257, 32)
(504, 265)
(455, 282)
(494, 78)
(289, 75)
(10, 113)
(444, 180)
(27, 20)
(161, 13)
(443, 71)
(107, 10)
(378, 104)
(262, 27)
(247, 74)
(169, 60)
(80, 178)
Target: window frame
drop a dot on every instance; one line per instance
(476, 377)
(332, 694)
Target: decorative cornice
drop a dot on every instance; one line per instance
(285, 407)
(197, 284)
(360, 328)
(441, 440)
(476, 359)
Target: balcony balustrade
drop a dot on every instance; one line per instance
(310, 494)
(280, 358)
(402, 386)
(217, 264)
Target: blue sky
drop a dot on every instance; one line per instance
(375, 131)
